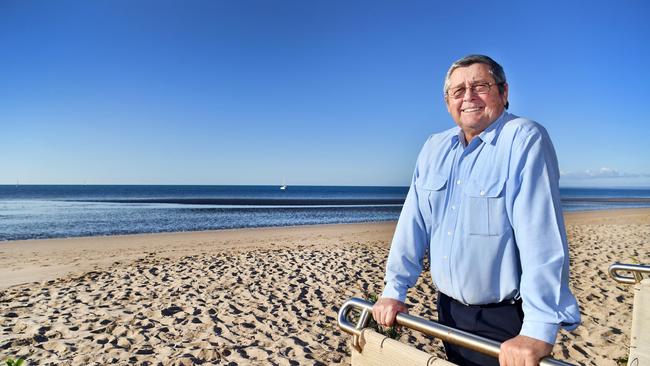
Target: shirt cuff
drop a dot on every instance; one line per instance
(395, 291)
(546, 332)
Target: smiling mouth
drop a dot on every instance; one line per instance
(471, 110)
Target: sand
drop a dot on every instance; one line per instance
(262, 296)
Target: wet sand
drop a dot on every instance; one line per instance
(262, 296)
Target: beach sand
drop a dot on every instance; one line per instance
(264, 296)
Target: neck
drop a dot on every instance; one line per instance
(470, 133)
(467, 135)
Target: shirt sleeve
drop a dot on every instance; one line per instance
(541, 239)
(408, 246)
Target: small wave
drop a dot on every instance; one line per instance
(259, 201)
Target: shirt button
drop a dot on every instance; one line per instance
(449, 233)
(482, 193)
(453, 207)
(458, 181)
(445, 257)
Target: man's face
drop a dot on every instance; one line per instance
(474, 112)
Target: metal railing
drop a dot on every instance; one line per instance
(447, 334)
(637, 271)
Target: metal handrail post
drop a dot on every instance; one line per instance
(363, 320)
(637, 271)
(447, 334)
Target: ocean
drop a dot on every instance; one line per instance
(56, 211)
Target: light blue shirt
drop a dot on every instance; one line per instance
(489, 215)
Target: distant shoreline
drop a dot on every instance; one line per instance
(607, 199)
(321, 202)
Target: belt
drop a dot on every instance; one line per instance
(507, 302)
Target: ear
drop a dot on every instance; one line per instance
(504, 96)
(447, 103)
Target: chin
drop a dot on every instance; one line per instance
(474, 122)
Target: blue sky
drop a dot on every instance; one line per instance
(312, 92)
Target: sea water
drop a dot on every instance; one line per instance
(54, 211)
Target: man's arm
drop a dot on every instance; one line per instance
(541, 239)
(405, 258)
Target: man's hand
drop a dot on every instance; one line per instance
(523, 351)
(385, 310)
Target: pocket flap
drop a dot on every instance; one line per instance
(485, 189)
(432, 182)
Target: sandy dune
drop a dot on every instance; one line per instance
(261, 296)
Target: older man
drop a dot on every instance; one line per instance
(484, 203)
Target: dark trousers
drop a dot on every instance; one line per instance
(499, 322)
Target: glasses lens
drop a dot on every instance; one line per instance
(481, 88)
(458, 92)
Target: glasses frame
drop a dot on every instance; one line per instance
(472, 89)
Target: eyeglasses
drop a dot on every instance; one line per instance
(478, 88)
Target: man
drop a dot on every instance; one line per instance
(484, 203)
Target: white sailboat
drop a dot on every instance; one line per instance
(284, 185)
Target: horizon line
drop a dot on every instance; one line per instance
(273, 185)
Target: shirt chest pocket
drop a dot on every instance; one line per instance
(486, 210)
(432, 190)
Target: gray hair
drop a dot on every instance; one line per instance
(495, 70)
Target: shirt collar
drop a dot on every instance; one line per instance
(455, 137)
(490, 133)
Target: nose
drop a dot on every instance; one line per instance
(469, 91)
